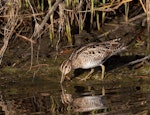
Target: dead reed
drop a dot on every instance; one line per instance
(60, 18)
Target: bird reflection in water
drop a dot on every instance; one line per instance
(84, 103)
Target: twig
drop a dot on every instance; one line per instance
(143, 5)
(137, 17)
(25, 38)
(110, 31)
(32, 11)
(138, 60)
(24, 15)
(39, 65)
(133, 62)
(36, 24)
(47, 16)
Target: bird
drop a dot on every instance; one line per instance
(91, 55)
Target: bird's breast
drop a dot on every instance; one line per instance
(90, 64)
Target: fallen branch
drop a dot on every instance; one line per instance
(137, 17)
(25, 38)
(138, 60)
(133, 62)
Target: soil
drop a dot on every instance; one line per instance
(17, 59)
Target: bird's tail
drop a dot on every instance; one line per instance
(118, 46)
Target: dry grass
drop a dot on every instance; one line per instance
(60, 20)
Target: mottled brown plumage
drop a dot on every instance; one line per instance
(90, 56)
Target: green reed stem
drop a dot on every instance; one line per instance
(81, 26)
(68, 33)
(51, 29)
(38, 4)
(74, 3)
(53, 105)
(67, 2)
(103, 13)
(148, 26)
(26, 3)
(42, 5)
(92, 12)
(80, 22)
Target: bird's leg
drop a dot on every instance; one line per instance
(88, 75)
(62, 78)
(103, 91)
(103, 71)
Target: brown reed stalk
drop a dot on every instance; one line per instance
(143, 6)
(148, 25)
(11, 9)
(126, 11)
(103, 12)
(64, 24)
(98, 21)
(61, 21)
(36, 29)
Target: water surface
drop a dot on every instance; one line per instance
(92, 97)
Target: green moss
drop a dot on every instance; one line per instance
(12, 91)
(9, 70)
(145, 70)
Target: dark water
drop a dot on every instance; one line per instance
(87, 98)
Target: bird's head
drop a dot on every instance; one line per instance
(65, 68)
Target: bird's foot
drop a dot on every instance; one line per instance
(83, 79)
(68, 78)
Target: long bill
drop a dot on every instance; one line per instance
(62, 78)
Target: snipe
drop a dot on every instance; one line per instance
(90, 56)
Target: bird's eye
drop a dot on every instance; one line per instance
(65, 66)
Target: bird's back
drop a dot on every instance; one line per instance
(95, 53)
